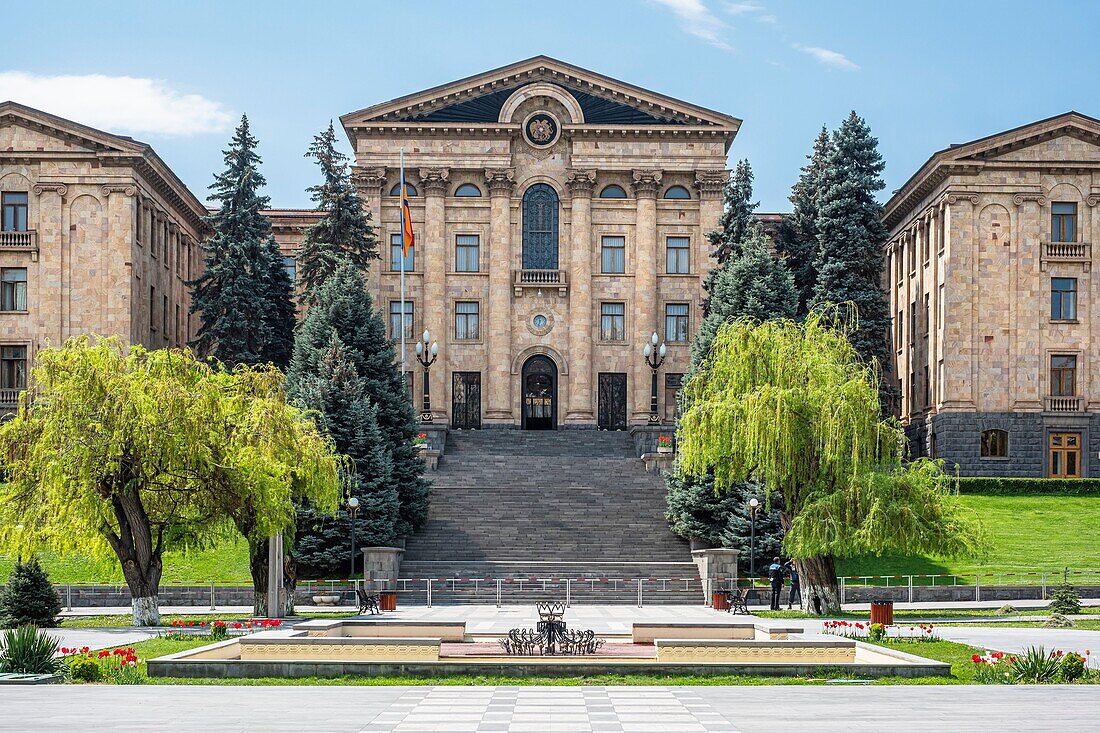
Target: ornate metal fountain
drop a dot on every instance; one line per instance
(551, 637)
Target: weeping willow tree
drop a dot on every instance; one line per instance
(791, 405)
(126, 452)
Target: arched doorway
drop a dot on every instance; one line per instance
(539, 385)
(540, 228)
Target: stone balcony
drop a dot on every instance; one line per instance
(9, 400)
(25, 241)
(541, 280)
(1070, 252)
(1064, 404)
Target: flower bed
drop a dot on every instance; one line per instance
(1034, 666)
(118, 666)
(863, 631)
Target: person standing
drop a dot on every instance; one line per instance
(796, 589)
(775, 574)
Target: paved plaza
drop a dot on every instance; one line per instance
(781, 709)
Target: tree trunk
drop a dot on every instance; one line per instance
(257, 565)
(820, 591)
(290, 582)
(137, 549)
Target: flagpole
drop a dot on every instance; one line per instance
(403, 250)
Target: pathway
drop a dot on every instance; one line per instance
(211, 709)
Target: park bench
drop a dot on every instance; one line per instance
(367, 601)
(738, 601)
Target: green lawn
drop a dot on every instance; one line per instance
(1027, 533)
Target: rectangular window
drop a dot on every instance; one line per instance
(925, 249)
(676, 322)
(927, 389)
(395, 255)
(395, 319)
(291, 266)
(179, 326)
(152, 308)
(1065, 455)
(678, 255)
(1063, 376)
(673, 384)
(13, 367)
(927, 313)
(912, 323)
(612, 322)
(467, 326)
(899, 327)
(612, 255)
(912, 246)
(1063, 222)
(164, 315)
(13, 289)
(467, 253)
(1063, 299)
(912, 392)
(15, 211)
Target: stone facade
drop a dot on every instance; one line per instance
(540, 166)
(991, 287)
(98, 237)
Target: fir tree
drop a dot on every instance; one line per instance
(762, 542)
(797, 241)
(344, 307)
(244, 297)
(344, 231)
(29, 597)
(736, 221)
(850, 236)
(345, 412)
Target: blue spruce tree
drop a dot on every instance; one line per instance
(734, 225)
(244, 297)
(797, 241)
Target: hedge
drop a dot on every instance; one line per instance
(1001, 486)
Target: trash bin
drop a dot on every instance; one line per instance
(882, 612)
(387, 601)
(720, 601)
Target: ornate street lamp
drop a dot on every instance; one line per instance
(353, 512)
(754, 507)
(426, 357)
(654, 357)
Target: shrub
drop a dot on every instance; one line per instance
(30, 651)
(29, 597)
(1072, 667)
(1065, 600)
(83, 669)
(877, 633)
(1007, 609)
(1001, 486)
(1036, 666)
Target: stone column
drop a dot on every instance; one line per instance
(369, 183)
(498, 379)
(716, 567)
(959, 287)
(644, 315)
(433, 307)
(121, 205)
(1091, 216)
(52, 247)
(1029, 364)
(580, 298)
(711, 185)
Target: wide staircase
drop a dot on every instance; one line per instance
(524, 516)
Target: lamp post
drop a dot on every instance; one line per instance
(654, 357)
(426, 357)
(353, 512)
(754, 507)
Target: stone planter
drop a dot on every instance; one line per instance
(326, 600)
(662, 448)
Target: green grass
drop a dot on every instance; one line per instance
(1027, 533)
(111, 621)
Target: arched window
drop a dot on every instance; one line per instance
(613, 191)
(396, 190)
(540, 228)
(468, 189)
(677, 192)
(994, 444)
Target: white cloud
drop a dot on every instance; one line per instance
(740, 8)
(832, 59)
(697, 20)
(124, 104)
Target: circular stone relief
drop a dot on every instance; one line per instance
(540, 324)
(540, 129)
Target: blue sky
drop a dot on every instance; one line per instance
(925, 75)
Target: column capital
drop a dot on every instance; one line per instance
(711, 184)
(956, 196)
(60, 188)
(370, 179)
(1020, 198)
(646, 183)
(434, 180)
(126, 189)
(581, 182)
(500, 180)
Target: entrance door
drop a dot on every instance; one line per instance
(466, 400)
(540, 394)
(611, 401)
(1065, 455)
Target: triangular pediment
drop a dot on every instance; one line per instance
(1068, 137)
(25, 129)
(480, 99)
